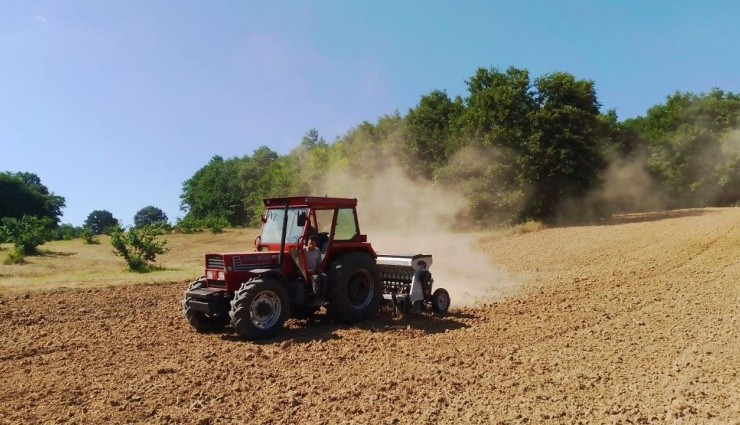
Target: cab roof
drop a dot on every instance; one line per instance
(311, 201)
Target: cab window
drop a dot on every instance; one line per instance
(323, 219)
(273, 228)
(346, 225)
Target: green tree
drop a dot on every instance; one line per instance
(312, 139)
(23, 194)
(301, 171)
(693, 147)
(280, 176)
(619, 141)
(256, 182)
(428, 138)
(368, 149)
(563, 157)
(149, 216)
(233, 189)
(138, 247)
(100, 221)
(532, 145)
(88, 237)
(215, 191)
(498, 109)
(67, 232)
(26, 234)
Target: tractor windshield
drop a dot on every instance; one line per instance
(273, 227)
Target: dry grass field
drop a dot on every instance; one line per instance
(631, 321)
(74, 264)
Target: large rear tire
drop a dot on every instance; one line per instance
(259, 308)
(355, 288)
(202, 322)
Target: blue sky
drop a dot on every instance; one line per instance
(114, 104)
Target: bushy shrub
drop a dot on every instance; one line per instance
(215, 224)
(67, 232)
(26, 233)
(189, 225)
(139, 247)
(89, 237)
(15, 256)
(192, 225)
(160, 227)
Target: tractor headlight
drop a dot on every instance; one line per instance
(216, 275)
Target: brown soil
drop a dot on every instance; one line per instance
(632, 321)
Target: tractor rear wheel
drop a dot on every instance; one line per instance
(259, 308)
(355, 288)
(202, 322)
(440, 301)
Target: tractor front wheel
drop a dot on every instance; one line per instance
(203, 322)
(259, 309)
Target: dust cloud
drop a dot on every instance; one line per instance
(404, 216)
(627, 187)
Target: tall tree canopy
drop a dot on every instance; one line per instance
(148, 216)
(23, 194)
(694, 147)
(563, 158)
(233, 189)
(428, 131)
(518, 149)
(540, 143)
(100, 221)
(214, 191)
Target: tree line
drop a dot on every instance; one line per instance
(518, 148)
(30, 215)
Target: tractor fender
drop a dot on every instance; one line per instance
(273, 274)
(295, 291)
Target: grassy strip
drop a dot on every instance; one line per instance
(75, 264)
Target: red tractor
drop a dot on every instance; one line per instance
(257, 291)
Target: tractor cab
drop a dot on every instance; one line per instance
(332, 220)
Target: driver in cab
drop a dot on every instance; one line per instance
(313, 265)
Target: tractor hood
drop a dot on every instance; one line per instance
(242, 261)
(230, 270)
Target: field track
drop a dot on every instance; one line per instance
(631, 321)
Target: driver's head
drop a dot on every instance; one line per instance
(313, 242)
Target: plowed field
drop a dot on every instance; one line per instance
(631, 321)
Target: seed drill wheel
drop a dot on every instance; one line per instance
(202, 322)
(259, 308)
(440, 301)
(355, 288)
